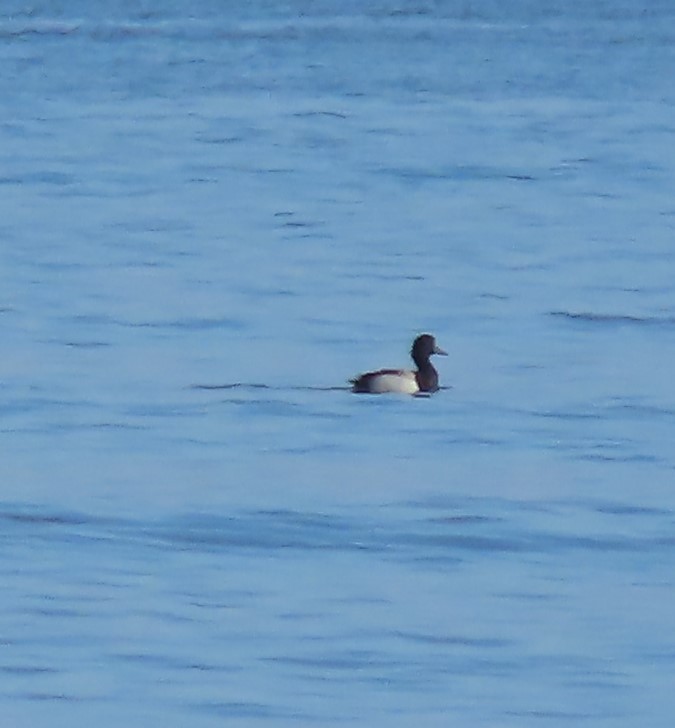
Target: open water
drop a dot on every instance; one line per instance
(211, 215)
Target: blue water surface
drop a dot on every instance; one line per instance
(211, 216)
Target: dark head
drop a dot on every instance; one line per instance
(423, 347)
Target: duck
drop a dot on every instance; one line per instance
(404, 381)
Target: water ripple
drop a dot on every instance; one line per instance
(613, 319)
(454, 535)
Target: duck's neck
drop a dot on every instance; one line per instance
(426, 375)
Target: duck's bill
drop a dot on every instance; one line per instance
(438, 350)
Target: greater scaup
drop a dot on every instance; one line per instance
(403, 381)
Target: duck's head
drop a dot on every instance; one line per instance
(424, 346)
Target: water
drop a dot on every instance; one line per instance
(210, 218)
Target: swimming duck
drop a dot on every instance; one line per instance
(425, 379)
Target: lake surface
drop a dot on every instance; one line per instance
(211, 216)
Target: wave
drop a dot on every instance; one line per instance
(253, 386)
(424, 539)
(592, 317)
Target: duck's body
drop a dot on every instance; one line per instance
(403, 381)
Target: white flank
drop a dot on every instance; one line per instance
(403, 383)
